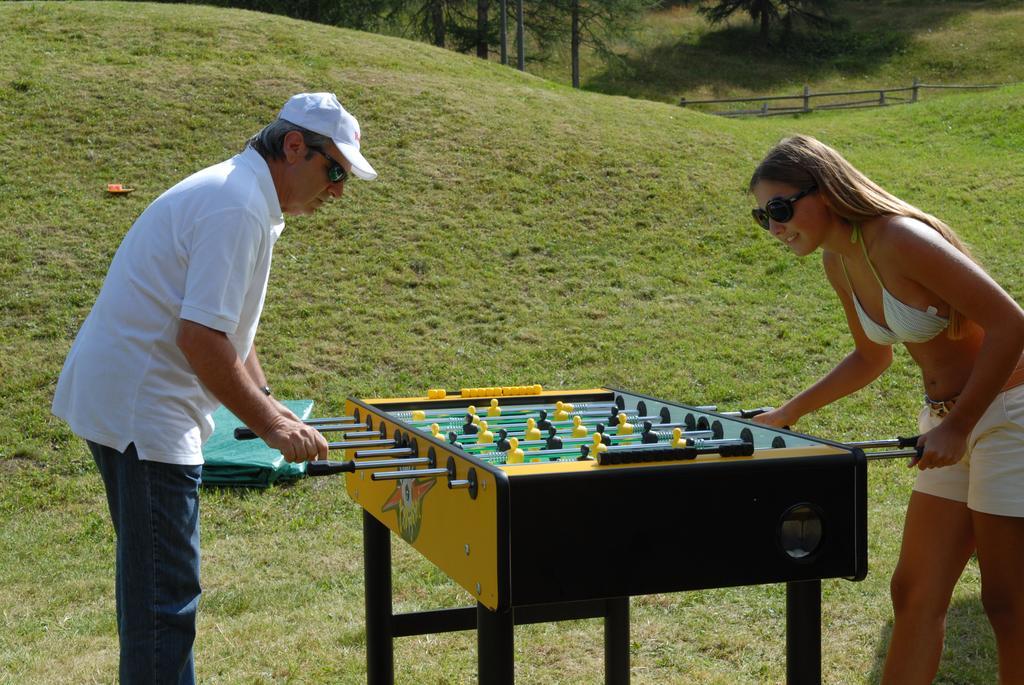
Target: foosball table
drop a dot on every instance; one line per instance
(556, 505)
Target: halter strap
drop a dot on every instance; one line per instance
(857, 237)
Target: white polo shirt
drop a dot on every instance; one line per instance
(201, 252)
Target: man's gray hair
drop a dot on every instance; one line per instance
(270, 141)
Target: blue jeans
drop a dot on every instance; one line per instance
(155, 511)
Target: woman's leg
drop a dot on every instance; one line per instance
(937, 542)
(1000, 541)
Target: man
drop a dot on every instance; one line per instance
(169, 339)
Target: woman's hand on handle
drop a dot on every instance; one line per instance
(943, 445)
(777, 418)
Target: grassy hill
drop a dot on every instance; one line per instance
(520, 232)
(675, 53)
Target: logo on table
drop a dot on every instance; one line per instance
(407, 499)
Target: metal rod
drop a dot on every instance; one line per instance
(898, 441)
(328, 420)
(896, 454)
(530, 455)
(868, 444)
(327, 428)
(747, 413)
(700, 444)
(355, 444)
(242, 433)
(508, 409)
(465, 438)
(376, 454)
(496, 421)
(358, 435)
(667, 428)
(390, 463)
(412, 473)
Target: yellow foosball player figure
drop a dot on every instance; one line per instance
(484, 437)
(578, 429)
(562, 411)
(494, 409)
(624, 427)
(598, 446)
(678, 441)
(532, 432)
(435, 430)
(514, 455)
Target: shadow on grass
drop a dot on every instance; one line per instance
(732, 58)
(865, 36)
(969, 653)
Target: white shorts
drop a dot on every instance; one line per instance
(990, 477)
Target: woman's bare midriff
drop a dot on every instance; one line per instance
(947, 364)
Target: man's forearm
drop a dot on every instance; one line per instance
(216, 364)
(255, 370)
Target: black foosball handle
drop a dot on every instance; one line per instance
(243, 433)
(907, 442)
(748, 413)
(739, 448)
(329, 468)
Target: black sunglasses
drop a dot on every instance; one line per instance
(778, 209)
(335, 173)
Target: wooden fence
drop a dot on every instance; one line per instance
(879, 97)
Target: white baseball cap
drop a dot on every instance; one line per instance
(322, 113)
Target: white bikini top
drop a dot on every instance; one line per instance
(903, 322)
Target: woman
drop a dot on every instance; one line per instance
(903, 276)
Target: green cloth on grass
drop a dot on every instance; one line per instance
(247, 463)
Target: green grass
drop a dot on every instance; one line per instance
(521, 232)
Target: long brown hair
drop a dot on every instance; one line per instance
(802, 161)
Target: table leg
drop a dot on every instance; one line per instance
(495, 646)
(803, 633)
(380, 655)
(616, 641)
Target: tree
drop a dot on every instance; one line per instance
(599, 23)
(768, 12)
(482, 29)
(461, 25)
(467, 25)
(429, 18)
